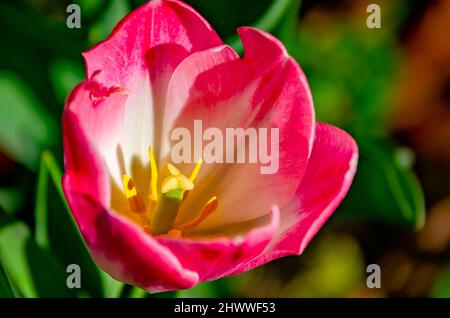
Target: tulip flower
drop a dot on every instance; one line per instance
(163, 226)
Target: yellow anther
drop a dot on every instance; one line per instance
(179, 182)
(207, 209)
(197, 167)
(135, 200)
(170, 169)
(184, 183)
(175, 180)
(169, 183)
(154, 176)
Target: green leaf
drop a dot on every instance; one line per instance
(65, 74)
(6, 291)
(384, 188)
(26, 127)
(204, 290)
(102, 27)
(274, 14)
(111, 287)
(268, 21)
(136, 292)
(40, 209)
(288, 29)
(34, 271)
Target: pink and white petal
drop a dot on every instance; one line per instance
(125, 251)
(221, 95)
(219, 257)
(328, 177)
(117, 245)
(82, 162)
(140, 56)
(101, 115)
(286, 110)
(264, 89)
(181, 81)
(122, 56)
(119, 121)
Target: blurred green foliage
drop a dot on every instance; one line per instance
(107, 20)
(353, 90)
(27, 128)
(442, 289)
(334, 270)
(350, 73)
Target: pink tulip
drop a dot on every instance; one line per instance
(163, 67)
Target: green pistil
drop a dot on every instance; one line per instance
(166, 211)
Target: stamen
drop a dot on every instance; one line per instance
(194, 175)
(165, 202)
(197, 167)
(135, 201)
(175, 180)
(173, 187)
(207, 209)
(154, 176)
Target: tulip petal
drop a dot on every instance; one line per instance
(99, 122)
(162, 68)
(219, 257)
(125, 251)
(264, 89)
(138, 58)
(155, 23)
(181, 81)
(89, 175)
(117, 245)
(327, 179)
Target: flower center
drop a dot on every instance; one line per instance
(159, 212)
